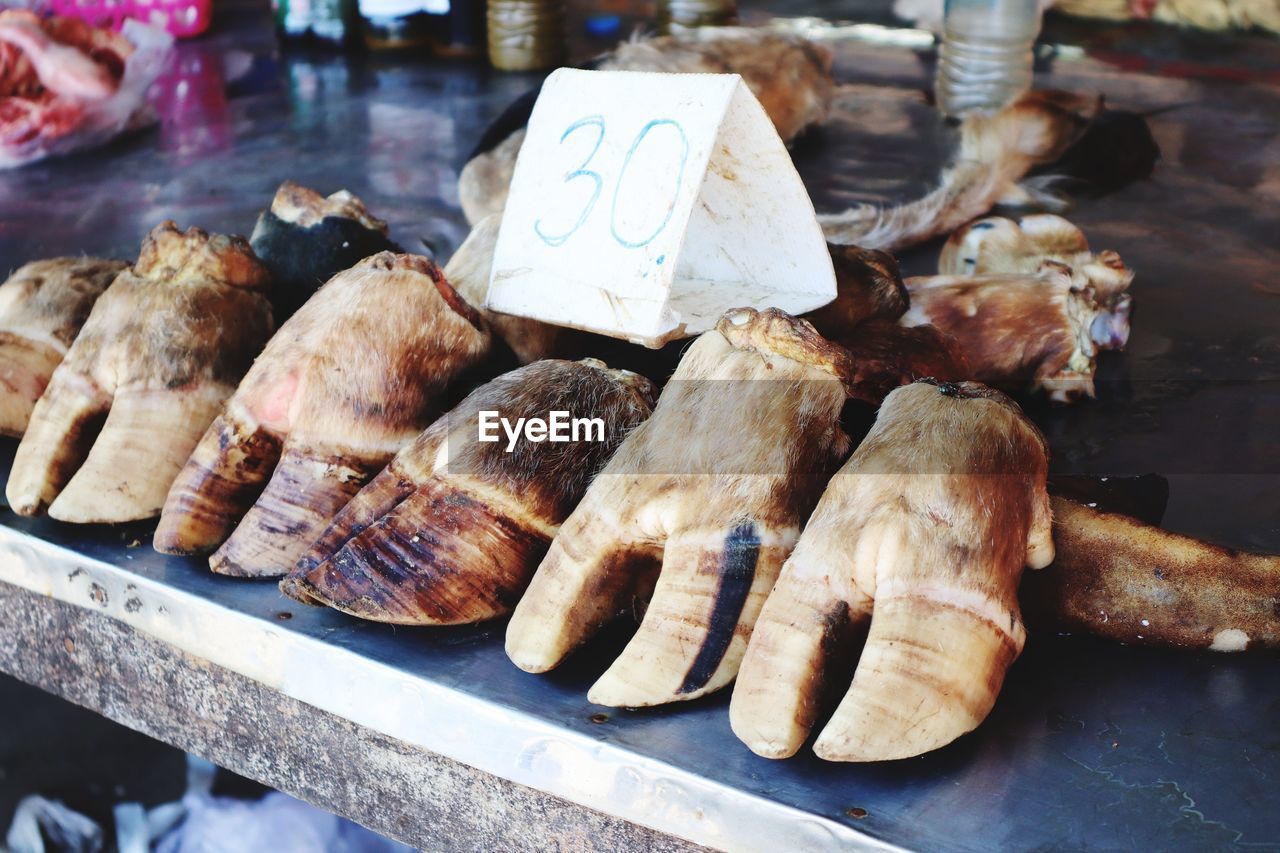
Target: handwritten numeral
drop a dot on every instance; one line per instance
(580, 172)
(684, 155)
(583, 172)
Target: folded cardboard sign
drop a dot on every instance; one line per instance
(643, 206)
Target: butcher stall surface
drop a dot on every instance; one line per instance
(1091, 744)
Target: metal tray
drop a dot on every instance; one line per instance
(1092, 745)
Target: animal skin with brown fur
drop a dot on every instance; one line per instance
(995, 152)
(868, 285)
(1119, 578)
(885, 355)
(1015, 329)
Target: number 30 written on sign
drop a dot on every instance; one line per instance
(660, 131)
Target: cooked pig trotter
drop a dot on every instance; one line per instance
(311, 423)
(42, 307)
(1119, 578)
(162, 348)
(715, 487)
(925, 532)
(449, 538)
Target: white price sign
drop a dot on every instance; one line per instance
(644, 206)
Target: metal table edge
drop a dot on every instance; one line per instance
(491, 738)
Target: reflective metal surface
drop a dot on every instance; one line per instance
(1091, 745)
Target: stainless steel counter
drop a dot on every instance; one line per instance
(433, 737)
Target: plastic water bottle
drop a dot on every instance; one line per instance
(985, 59)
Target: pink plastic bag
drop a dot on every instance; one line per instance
(179, 18)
